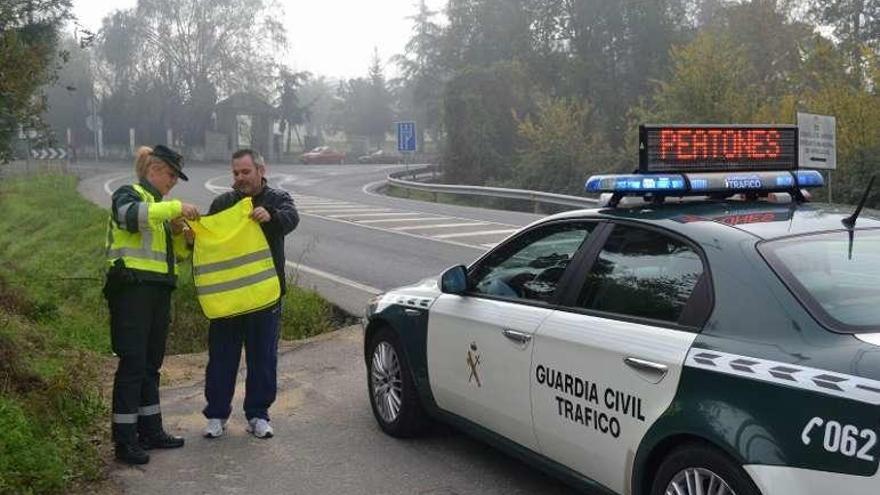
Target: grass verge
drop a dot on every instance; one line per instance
(54, 337)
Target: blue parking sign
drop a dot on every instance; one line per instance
(406, 136)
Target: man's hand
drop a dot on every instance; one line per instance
(178, 225)
(260, 215)
(190, 212)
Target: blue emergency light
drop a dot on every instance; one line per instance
(699, 184)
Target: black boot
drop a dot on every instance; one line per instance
(160, 440)
(152, 435)
(131, 453)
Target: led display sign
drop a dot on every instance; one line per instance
(717, 148)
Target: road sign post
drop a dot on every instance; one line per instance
(406, 140)
(817, 143)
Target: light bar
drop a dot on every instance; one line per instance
(667, 183)
(700, 184)
(717, 148)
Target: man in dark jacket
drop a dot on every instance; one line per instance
(259, 331)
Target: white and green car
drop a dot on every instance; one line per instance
(711, 346)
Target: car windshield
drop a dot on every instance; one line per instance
(835, 276)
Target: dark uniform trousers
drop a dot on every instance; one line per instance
(139, 317)
(258, 331)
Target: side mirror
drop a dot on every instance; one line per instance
(454, 280)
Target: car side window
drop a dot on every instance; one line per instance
(642, 273)
(530, 266)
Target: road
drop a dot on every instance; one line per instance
(351, 243)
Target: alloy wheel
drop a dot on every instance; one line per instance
(698, 481)
(386, 381)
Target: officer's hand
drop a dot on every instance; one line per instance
(261, 215)
(190, 212)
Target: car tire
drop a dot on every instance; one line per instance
(392, 392)
(700, 463)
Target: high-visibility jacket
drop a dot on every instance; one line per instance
(232, 264)
(138, 233)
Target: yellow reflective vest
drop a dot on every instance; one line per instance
(147, 248)
(232, 264)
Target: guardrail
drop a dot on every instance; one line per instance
(535, 197)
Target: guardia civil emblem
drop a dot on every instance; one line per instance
(473, 361)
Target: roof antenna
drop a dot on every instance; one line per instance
(850, 221)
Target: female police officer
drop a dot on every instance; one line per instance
(145, 239)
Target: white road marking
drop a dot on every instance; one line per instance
(472, 234)
(359, 215)
(441, 226)
(408, 219)
(368, 188)
(364, 220)
(321, 203)
(351, 209)
(113, 179)
(215, 189)
(388, 231)
(334, 278)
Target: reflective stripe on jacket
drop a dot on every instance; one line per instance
(139, 233)
(232, 264)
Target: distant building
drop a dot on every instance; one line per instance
(244, 120)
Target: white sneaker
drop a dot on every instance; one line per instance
(216, 428)
(260, 428)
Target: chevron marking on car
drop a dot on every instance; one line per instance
(803, 377)
(410, 301)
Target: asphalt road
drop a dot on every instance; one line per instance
(326, 442)
(350, 244)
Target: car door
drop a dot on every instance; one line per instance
(606, 368)
(480, 342)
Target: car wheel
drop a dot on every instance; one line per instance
(699, 469)
(393, 395)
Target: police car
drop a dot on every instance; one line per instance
(707, 331)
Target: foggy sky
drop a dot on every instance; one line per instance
(333, 38)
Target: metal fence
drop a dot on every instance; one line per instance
(399, 179)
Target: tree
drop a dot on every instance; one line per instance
(364, 105)
(856, 24)
(481, 107)
(712, 81)
(321, 102)
(291, 111)
(772, 41)
(188, 54)
(379, 104)
(69, 98)
(562, 146)
(420, 89)
(29, 60)
(619, 48)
